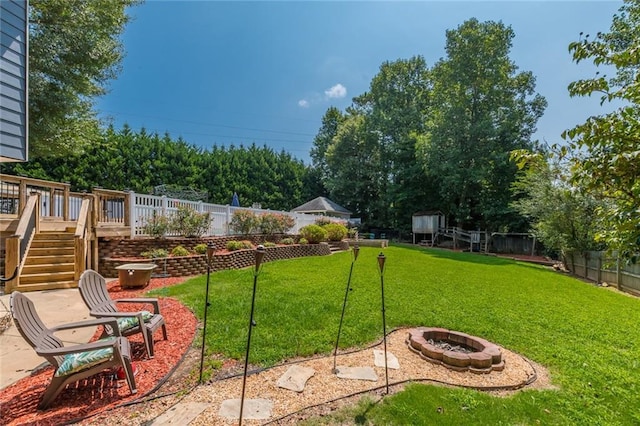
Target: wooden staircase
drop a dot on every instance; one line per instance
(49, 262)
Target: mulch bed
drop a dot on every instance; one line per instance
(18, 402)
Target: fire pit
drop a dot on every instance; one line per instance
(455, 350)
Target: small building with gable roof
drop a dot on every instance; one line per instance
(323, 206)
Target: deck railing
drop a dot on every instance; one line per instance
(56, 199)
(17, 244)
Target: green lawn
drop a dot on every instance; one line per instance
(588, 337)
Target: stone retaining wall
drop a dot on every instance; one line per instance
(181, 266)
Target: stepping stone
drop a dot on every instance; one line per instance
(295, 378)
(180, 414)
(357, 373)
(392, 360)
(254, 409)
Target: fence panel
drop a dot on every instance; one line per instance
(598, 267)
(146, 206)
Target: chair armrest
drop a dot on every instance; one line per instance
(84, 347)
(99, 314)
(106, 320)
(136, 314)
(152, 300)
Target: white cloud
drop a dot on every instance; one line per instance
(337, 91)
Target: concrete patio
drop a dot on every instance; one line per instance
(17, 358)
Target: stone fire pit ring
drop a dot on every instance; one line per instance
(479, 355)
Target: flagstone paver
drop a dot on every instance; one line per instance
(254, 409)
(357, 373)
(295, 378)
(392, 360)
(180, 414)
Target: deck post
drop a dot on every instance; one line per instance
(130, 208)
(12, 261)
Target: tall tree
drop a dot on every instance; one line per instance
(356, 180)
(396, 108)
(482, 109)
(330, 123)
(74, 51)
(605, 150)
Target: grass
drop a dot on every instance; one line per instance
(587, 336)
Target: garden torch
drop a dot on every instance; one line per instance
(356, 249)
(211, 248)
(381, 260)
(260, 252)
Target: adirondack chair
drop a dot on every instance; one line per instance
(75, 362)
(93, 289)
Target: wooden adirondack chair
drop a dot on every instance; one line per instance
(71, 363)
(93, 289)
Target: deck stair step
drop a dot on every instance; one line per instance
(334, 247)
(46, 268)
(47, 285)
(49, 259)
(51, 251)
(46, 277)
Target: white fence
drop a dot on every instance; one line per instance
(144, 207)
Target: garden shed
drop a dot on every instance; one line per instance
(323, 206)
(426, 225)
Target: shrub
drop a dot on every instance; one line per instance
(322, 221)
(275, 223)
(287, 241)
(200, 248)
(314, 234)
(268, 223)
(234, 245)
(156, 226)
(269, 244)
(155, 253)
(189, 223)
(180, 251)
(285, 223)
(335, 231)
(247, 244)
(244, 222)
(303, 241)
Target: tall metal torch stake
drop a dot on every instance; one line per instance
(211, 248)
(356, 249)
(260, 251)
(381, 260)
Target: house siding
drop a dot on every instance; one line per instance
(13, 80)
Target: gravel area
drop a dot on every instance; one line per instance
(324, 392)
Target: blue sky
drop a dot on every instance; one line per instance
(241, 72)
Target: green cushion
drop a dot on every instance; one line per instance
(125, 323)
(79, 361)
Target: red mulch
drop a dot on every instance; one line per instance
(18, 402)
